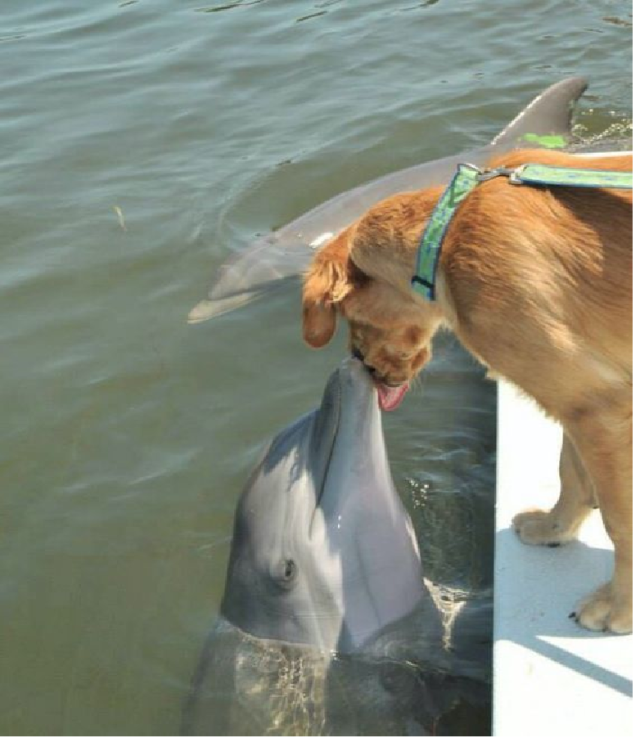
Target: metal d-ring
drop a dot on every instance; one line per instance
(497, 172)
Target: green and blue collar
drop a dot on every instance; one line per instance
(467, 177)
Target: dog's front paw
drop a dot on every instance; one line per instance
(603, 611)
(541, 528)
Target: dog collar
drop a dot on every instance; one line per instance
(424, 280)
(467, 177)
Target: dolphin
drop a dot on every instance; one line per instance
(326, 623)
(323, 552)
(279, 257)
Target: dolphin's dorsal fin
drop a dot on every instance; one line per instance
(546, 121)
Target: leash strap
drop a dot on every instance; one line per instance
(541, 174)
(467, 177)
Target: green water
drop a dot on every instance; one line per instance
(141, 143)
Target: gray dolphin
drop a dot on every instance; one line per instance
(324, 553)
(282, 255)
(327, 625)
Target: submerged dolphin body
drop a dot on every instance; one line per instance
(286, 252)
(327, 623)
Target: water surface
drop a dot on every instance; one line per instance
(142, 142)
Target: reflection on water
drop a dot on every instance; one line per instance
(246, 686)
(126, 435)
(401, 685)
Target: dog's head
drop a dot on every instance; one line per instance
(389, 329)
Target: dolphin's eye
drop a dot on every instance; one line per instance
(286, 572)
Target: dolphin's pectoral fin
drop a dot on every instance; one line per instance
(546, 121)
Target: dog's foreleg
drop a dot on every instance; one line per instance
(577, 499)
(602, 435)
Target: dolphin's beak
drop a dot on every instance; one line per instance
(345, 411)
(207, 309)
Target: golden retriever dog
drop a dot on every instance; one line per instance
(536, 284)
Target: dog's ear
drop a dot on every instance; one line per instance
(327, 282)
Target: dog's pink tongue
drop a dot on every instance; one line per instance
(389, 398)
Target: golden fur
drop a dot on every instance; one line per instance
(536, 283)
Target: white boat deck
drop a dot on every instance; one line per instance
(551, 677)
